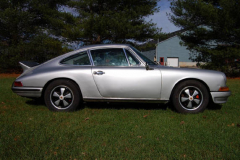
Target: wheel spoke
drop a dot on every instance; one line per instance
(62, 90)
(65, 103)
(190, 98)
(189, 104)
(68, 96)
(183, 99)
(61, 97)
(187, 92)
(55, 94)
(57, 102)
(195, 93)
(197, 101)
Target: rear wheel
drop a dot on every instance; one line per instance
(62, 95)
(190, 97)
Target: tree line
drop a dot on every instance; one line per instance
(213, 32)
(38, 30)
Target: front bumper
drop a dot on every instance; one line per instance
(220, 97)
(28, 91)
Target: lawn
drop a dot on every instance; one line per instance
(28, 130)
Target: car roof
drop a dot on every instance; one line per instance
(87, 47)
(104, 45)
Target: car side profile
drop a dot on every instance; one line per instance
(118, 72)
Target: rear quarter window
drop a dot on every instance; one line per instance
(77, 59)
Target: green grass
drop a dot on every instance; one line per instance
(28, 130)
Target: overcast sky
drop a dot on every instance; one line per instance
(161, 18)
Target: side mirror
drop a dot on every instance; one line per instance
(147, 67)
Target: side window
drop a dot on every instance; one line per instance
(109, 57)
(77, 59)
(132, 60)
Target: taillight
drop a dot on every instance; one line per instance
(223, 89)
(18, 84)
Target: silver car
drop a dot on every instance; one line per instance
(118, 73)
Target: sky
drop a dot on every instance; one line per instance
(161, 18)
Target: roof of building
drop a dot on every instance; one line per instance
(171, 35)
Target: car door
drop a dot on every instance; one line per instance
(117, 76)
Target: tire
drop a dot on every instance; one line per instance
(62, 96)
(190, 96)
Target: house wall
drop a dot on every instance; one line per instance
(172, 48)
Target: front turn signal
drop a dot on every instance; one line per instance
(223, 89)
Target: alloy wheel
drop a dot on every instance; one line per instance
(190, 98)
(61, 97)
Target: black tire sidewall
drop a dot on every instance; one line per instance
(182, 85)
(74, 88)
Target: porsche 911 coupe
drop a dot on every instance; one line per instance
(118, 72)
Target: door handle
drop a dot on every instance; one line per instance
(98, 72)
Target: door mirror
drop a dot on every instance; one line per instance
(148, 67)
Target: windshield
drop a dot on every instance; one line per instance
(149, 62)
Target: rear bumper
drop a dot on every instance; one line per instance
(220, 97)
(32, 92)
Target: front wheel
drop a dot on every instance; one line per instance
(62, 95)
(190, 97)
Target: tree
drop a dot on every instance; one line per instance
(112, 21)
(213, 31)
(28, 29)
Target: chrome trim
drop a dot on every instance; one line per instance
(98, 72)
(140, 100)
(90, 57)
(126, 57)
(111, 48)
(101, 47)
(142, 62)
(59, 62)
(76, 65)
